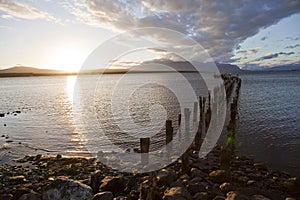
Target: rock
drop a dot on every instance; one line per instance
(115, 184)
(201, 196)
(260, 166)
(292, 184)
(197, 173)
(219, 198)
(6, 196)
(194, 188)
(21, 191)
(107, 195)
(96, 178)
(58, 156)
(2, 114)
(177, 193)
(259, 197)
(219, 176)
(13, 180)
(226, 187)
(30, 196)
(65, 189)
(177, 183)
(166, 177)
(233, 195)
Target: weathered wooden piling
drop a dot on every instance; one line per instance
(169, 131)
(179, 120)
(145, 145)
(195, 118)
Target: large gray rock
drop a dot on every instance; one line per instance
(177, 193)
(66, 189)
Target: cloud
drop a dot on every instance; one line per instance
(250, 51)
(218, 26)
(292, 46)
(18, 10)
(273, 55)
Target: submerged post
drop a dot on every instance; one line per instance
(145, 144)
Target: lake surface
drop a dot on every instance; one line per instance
(269, 116)
(268, 125)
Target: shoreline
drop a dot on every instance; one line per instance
(34, 177)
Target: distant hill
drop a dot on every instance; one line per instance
(284, 68)
(290, 67)
(30, 71)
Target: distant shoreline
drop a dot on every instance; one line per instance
(10, 75)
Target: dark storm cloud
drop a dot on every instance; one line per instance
(218, 26)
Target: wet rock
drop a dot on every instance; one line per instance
(64, 189)
(219, 176)
(177, 193)
(107, 195)
(201, 196)
(259, 197)
(233, 195)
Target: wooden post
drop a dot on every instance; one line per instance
(145, 144)
(185, 163)
(179, 120)
(187, 114)
(169, 131)
(225, 158)
(195, 112)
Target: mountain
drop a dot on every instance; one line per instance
(228, 68)
(284, 68)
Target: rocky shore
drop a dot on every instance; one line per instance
(46, 177)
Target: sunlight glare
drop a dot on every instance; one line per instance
(67, 58)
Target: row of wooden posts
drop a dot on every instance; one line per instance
(204, 120)
(203, 125)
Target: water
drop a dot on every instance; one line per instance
(267, 129)
(49, 123)
(269, 115)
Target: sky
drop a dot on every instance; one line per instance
(61, 34)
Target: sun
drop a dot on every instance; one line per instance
(67, 58)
